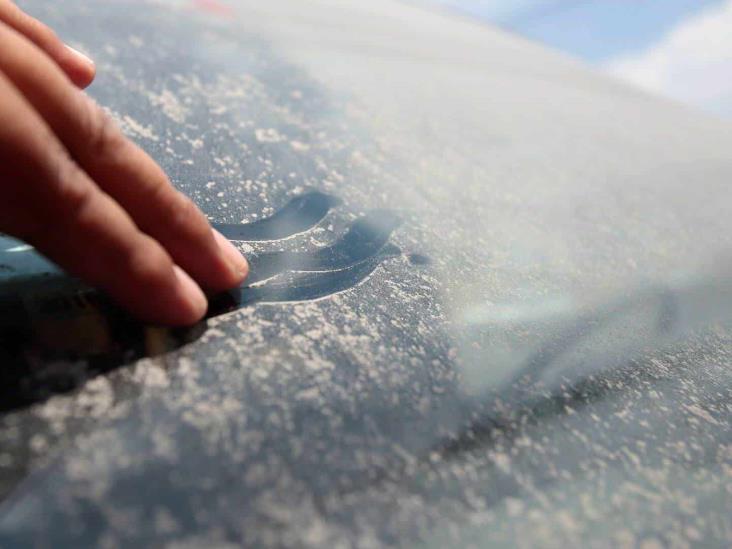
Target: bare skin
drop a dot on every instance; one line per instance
(69, 176)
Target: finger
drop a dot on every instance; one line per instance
(121, 168)
(77, 66)
(48, 201)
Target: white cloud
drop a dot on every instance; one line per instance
(692, 63)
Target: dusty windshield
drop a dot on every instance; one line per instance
(489, 289)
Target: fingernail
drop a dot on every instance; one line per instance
(80, 56)
(191, 293)
(234, 257)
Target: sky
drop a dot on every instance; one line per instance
(678, 48)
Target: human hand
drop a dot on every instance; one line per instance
(85, 196)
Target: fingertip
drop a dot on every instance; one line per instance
(80, 68)
(238, 264)
(192, 299)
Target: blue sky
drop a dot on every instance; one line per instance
(678, 48)
(592, 29)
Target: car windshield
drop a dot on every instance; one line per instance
(489, 304)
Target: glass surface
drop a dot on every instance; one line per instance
(489, 304)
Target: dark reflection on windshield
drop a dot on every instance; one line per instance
(48, 316)
(362, 241)
(56, 334)
(302, 287)
(298, 215)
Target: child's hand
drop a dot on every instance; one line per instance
(75, 188)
